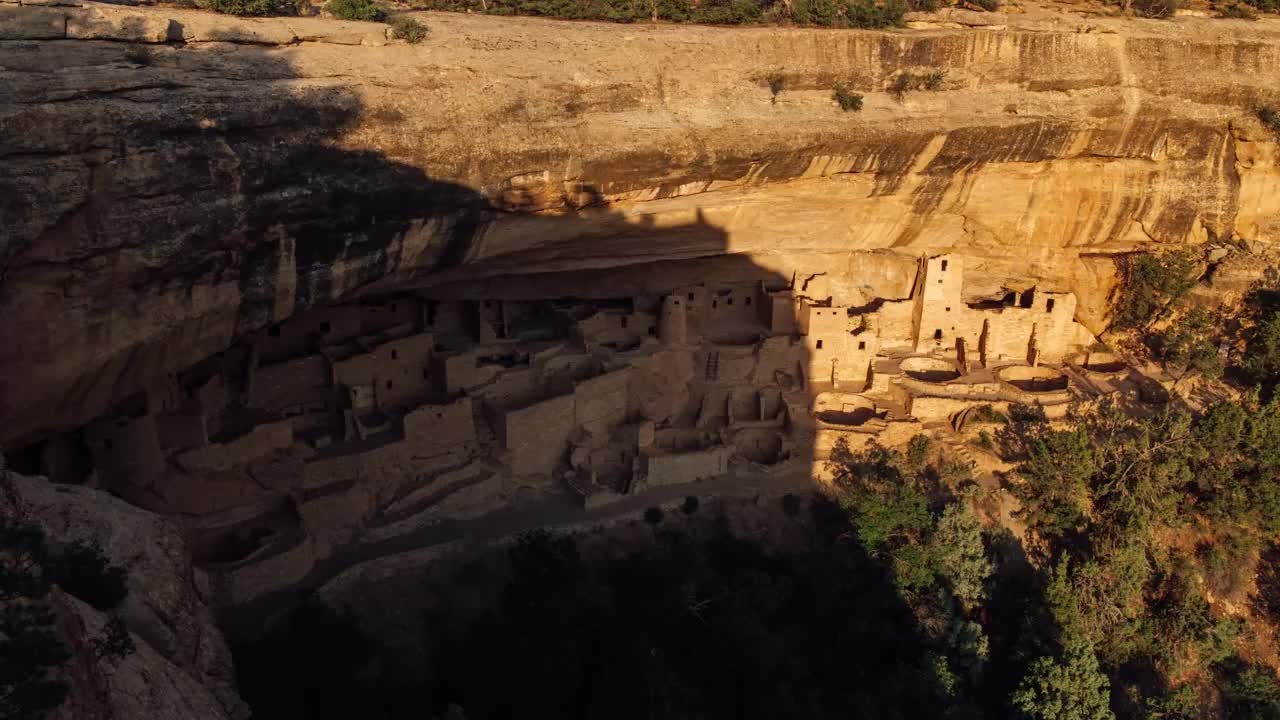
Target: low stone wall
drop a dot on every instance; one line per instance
(262, 440)
(677, 468)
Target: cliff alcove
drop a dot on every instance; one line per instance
(343, 312)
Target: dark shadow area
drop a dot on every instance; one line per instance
(692, 627)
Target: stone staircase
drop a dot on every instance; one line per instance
(712, 371)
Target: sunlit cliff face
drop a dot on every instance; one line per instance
(155, 213)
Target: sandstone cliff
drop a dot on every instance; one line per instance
(156, 205)
(181, 667)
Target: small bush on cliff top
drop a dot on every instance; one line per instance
(408, 29)
(354, 9)
(247, 7)
(825, 13)
(1155, 8)
(815, 12)
(865, 14)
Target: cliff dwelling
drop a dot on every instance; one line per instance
(386, 414)
(689, 348)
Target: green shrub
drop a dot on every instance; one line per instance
(1248, 691)
(986, 441)
(988, 414)
(988, 5)
(1149, 284)
(247, 7)
(1236, 11)
(1265, 5)
(815, 12)
(904, 82)
(408, 29)
(923, 5)
(866, 14)
(848, 101)
(1155, 8)
(727, 12)
(690, 505)
(826, 13)
(919, 450)
(354, 9)
(1180, 704)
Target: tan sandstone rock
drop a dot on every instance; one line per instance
(154, 213)
(163, 609)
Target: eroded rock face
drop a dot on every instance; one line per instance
(157, 206)
(182, 667)
(144, 684)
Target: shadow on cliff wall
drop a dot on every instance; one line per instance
(215, 185)
(209, 193)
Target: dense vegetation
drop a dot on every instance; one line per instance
(31, 646)
(250, 7)
(355, 9)
(823, 13)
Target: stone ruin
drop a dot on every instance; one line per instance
(361, 421)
